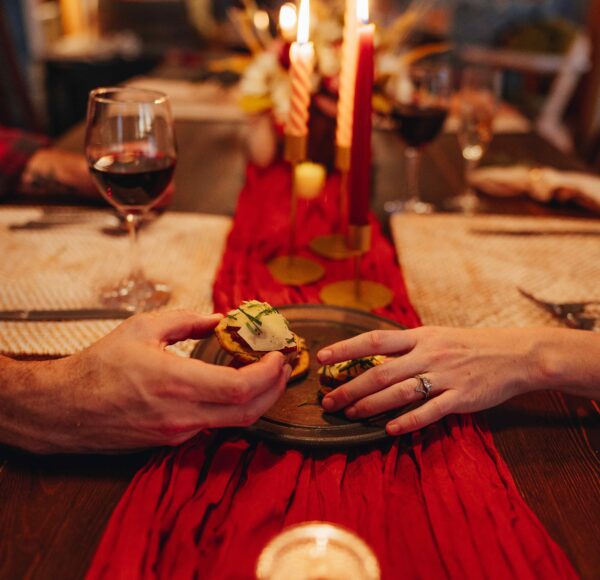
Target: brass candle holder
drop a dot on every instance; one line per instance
(358, 293)
(293, 269)
(335, 246)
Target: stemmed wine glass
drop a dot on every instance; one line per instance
(477, 104)
(130, 149)
(420, 105)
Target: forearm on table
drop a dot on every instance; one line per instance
(32, 403)
(569, 362)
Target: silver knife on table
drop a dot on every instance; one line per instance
(64, 315)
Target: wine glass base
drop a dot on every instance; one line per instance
(137, 296)
(408, 206)
(466, 203)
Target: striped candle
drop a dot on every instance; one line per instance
(301, 68)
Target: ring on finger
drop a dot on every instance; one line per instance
(424, 386)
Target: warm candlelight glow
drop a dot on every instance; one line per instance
(303, 22)
(287, 21)
(261, 20)
(362, 10)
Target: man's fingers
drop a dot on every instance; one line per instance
(369, 343)
(245, 415)
(376, 379)
(174, 325)
(430, 412)
(199, 382)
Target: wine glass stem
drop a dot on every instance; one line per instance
(413, 163)
(470, 166)
(135, 272)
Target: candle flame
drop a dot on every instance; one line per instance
(261, 20)
(362, 10)
(287, 16)
(303, 22)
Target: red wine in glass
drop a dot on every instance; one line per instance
(418, 125)
(133, 180)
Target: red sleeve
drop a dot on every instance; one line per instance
(16, 147)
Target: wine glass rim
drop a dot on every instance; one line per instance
(109, 95)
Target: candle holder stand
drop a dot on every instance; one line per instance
(292, 269)
(358, 293)
(335, 246)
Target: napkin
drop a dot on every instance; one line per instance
(540, 183)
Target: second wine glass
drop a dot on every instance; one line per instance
(130, 148)
(420, 105)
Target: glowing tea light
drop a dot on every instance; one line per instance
(261, 20)
(317, 550)
(309, 179)
(287, 21)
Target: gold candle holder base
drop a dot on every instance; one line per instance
(334, 247)
(295, 270)
(368, 296)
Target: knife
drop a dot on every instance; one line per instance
(524, 233)
(62, 315)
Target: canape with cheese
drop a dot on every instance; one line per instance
(335, 375)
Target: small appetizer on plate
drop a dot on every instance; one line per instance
(256, 328)
(333, 376)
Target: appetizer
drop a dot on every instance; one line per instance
(256, 328)
(333, 376)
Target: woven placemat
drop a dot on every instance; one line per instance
(458, 278)
(66, 267)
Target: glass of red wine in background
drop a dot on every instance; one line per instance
(130, 148)
(420, 106)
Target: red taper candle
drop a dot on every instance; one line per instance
(360, 168)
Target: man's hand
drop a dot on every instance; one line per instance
(126, 392)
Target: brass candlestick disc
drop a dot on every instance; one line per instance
(371, 295)
(333, 247)
(295, 271)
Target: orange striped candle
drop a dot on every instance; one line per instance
(301, 68)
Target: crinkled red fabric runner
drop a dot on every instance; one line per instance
(439, 503)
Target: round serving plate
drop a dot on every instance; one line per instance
(297, 417)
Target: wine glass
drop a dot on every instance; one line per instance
(420, 105)
(130, 149)
(477, 104)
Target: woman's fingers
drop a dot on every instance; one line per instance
(376, 379)
(395, 396)
(430, 412)
(369, 343)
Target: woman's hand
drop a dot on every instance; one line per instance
(469, 369)
(127, 392)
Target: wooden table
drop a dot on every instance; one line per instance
(53, 509)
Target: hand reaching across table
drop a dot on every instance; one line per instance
(126, 392)
(460, 370)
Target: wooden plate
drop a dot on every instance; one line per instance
(297, 417)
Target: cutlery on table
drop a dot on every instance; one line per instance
(64, 315)
(527, 232)
(573, 314)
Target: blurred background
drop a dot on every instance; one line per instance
(52, 52)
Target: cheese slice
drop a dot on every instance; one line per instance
(261, 326)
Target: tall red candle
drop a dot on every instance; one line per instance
(360, 168)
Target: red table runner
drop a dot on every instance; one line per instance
(438, 503)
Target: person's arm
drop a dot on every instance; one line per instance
(30, 165)
(469, 370)
(126, 392)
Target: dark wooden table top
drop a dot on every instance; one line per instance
(53, 509)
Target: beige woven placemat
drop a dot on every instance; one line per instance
(66, 266)
(458, 278)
